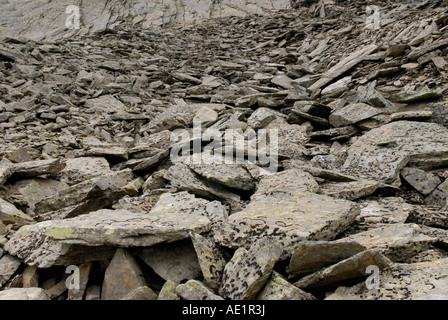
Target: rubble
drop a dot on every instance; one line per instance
(341, 163)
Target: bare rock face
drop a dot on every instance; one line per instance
(24, 294)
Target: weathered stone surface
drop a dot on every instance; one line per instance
(9, 214)
(277, 288)
(248, 270)
(352, 114)
(420, 180)
(409, 97)
(415, 281)
(211, 260)
(6, 170)
(140, 293)
(309, 256)
(77, 292)
(122, 276)
(168, 291)
(350, 190)
(310, 217)
(81, 169)
(106, 104)
(37, 168)
(175, 261)
(183, 178)
(230, 175)
(381, 153)
(24, 294)
(195, 290)
(8, 266)
(350, 268)
(398, 242)
(30, 277)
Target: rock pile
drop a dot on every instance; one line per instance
(93, 204)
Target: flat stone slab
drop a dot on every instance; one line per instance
(381, 153)
(288, 219)
(196, 290)
(229, 175)
(278, 288)
(9, 214)
(415, 281)
(311, 256)
(398, 242)
(422, 181)
(248, 270)
(24, 294)
(350, 268)
(352, 114)
(32, 169)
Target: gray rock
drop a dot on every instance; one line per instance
(9, 214)
(24, 294)
(414, 96)
(80, 169)
(78, 291)
(195, 290)
(311, 256)
(174, 117)
(353, 113)
(350, 190)
(105, 104)
(32, 169)
(6, 170)
(30, 277)
(260, 118)
(415, 281)
(175, 261)
(248, 270)
(381, 153)
(8, 266)
(168, 291)
(211, 260)
(277, 288)
(398, 242)
(122, 276)
(141, 293)
(183, 178)
(420, 180)
(230, 175)
(350, 268)
(438, 197)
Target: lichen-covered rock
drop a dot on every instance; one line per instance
(414, 96)
(6, 170)
(351, 190)
(230, 175)
(195, 290)
(122, 276)
(168, 291)
(81, 169)
(277, 288)
(211, 260)
(248, 270)
(422, 181)
(398, 242)
(8, 266)
(381, 153)
(141, 293)
(24, 294)
(414, 281)
(310, 256)
(9, 214)
(31, 169)
(352, 114)
(288, 219)
(350, 268)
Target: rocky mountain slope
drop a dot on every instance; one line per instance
(94, 203)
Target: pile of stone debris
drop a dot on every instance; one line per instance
(88, 183)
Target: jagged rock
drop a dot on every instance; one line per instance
(9, 214)
(420, 180)
(438, 197)
(398, 242)
(415, 281)
(352, 114)
(350, 268)
(248, 270)
(311, 256)
(381, 212)
(183, 178)
(350, 190)
(175, 261)
(122, 276)
(24, 294)
(80, 169)
(211, 260)
(141, 293)
(195, 290)
(30, 277)
(310, 217)
(410, 97)
(8, 266)
(381, 153)
(168, 291)
(31, 169)
(78, 291)
(260, 118)
(277, 288)
(6, 170)
(105, 104)
(174, 117)
(229, 175)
